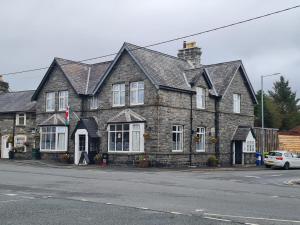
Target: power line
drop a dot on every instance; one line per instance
(167, 41)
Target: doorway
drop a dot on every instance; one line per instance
(5, 147)
(81, 144)
(238, 152)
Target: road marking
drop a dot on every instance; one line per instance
(251, 223)
(253, 177)
(144, 208)
(274, 196)
(14, 200)
(212, 218)
(108, 203)
(276, 175)
(176, 213)
(11, 194)
(254, 218)
(199, 210)
(84, 200)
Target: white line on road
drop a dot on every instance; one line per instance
(276, 175)
(274, 196)
(11, 194)
(144, 208)
(254, 218)
(176, 213)
(253, 177)
(211, 218)
(251, 223)
(14, 200)
(108, 203)
(199, 210)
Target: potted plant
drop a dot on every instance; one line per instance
(143, 161)
(66, 158)
(212, 161)
(146, 136)
(26, 143)
(98, 158)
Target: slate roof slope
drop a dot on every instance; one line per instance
(17, 102)
(241, 133)
(163, 69)
(89, 124)
(221, 74)
(97, 71)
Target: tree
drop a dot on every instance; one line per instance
(272, 116)
(286, 102)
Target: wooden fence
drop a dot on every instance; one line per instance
(266, 138)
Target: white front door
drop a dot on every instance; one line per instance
(5, 147)
(81, 144)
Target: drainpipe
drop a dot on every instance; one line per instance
(217, 128)
(191, 125)
(14, 133)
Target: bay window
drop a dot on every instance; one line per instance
(126, 137)
(53, 138)
(137, 93)
(200, 144)
(63, 100)
(118, 94)
(50, 101)
(177, 138)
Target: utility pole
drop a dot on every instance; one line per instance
(262, 112)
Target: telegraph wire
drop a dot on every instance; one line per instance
(164, 42)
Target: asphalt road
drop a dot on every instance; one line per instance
(45, 195)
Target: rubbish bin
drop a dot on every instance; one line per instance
(11, 154)
(258, 159)
(35, 154)
(104, 158)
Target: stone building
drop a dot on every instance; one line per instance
(17, 122)
(145, 103)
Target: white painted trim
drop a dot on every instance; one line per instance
(233, 153)
(4, 150)
(77, 152)
(88, 80)
(56, 143)
(18, 119)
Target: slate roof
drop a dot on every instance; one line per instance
(126, 116)
(89, 124)
(241, 133)
(17, 102)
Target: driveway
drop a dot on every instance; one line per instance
(45, 195)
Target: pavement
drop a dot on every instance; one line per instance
(54, 194)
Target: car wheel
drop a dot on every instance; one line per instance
(286, 166)
(268, 166)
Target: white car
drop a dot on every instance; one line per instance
(283, 159)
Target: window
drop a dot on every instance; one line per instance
(20, 141)
(250, 146)
(200, 144)
(137, 93)
(63, 100)
(54, 138)
(93, 102)
(126, 137)
(50, 102)
(200, 99)
(21, 119)
(118, 94)
(236, 103)
(177, 137)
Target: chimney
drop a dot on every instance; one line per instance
(191, 53)
(3, 85)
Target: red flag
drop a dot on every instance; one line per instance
(68, 115)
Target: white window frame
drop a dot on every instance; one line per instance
(93, 102)
(57, 128)
(119, 90)
(18, 115)
(63, 100)
(180, 132)
(131, 130)
(50, 97)
(20, 145)
(236, 103)
(135, 91)
(249, 144)
(201, 131)
(200, 97)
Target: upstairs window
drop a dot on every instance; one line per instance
(93, 102)
(21, 119)
(236, 103)
(118, 94)
(50, 101)
(63, 100)
(137, 93)
(200, 144)
(200, 102)
(177, 138)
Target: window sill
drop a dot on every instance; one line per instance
(53, 151)
(118, 106)
(137, 104)
(177, 151)
(125, 152)
(200, 151)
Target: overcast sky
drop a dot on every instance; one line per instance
(33, 32)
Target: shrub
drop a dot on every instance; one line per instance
(212, 161)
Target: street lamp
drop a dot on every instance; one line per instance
(262, 108)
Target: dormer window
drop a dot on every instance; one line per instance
(200, 99)
(63, 100)
(93, 102)
(50, 101)
(137, 93)
(21, 119)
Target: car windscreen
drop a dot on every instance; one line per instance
(275, 154)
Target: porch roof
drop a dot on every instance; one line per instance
(241, 133)
(90, 125)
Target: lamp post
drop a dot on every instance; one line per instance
(262, 109)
